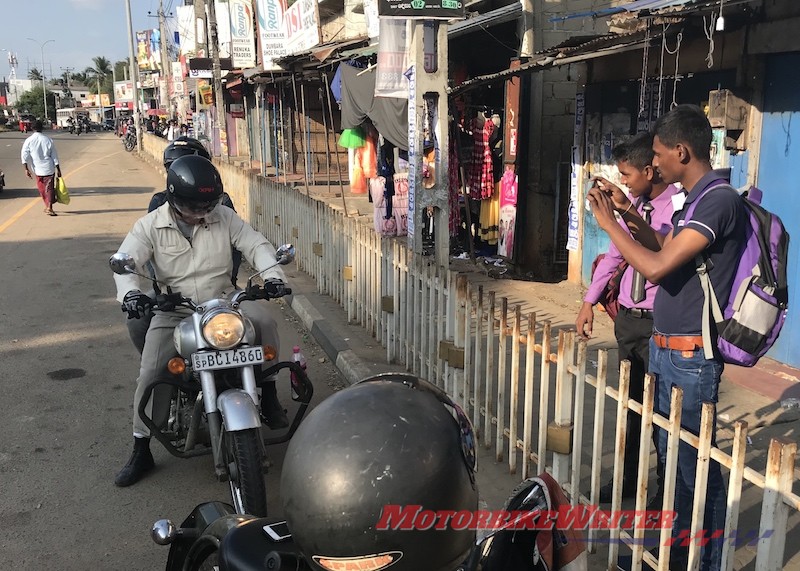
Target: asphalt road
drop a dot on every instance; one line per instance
(68, 369)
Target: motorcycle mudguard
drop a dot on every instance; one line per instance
(238, 410)
(247, 548)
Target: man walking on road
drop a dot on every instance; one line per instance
(39, 155)
(651, 200)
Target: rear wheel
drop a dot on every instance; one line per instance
(243, 456)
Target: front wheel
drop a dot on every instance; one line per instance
(243, 456)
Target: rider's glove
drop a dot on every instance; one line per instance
(275, 288)
(137, 304)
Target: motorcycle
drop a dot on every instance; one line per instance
(2, 181)
(214, 386)
(129, 140)
(215, 537)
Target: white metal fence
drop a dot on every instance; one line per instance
(539, 409)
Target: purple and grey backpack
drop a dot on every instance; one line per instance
(756, 309)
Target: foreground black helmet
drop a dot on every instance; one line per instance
(194, 187)
(181, 147)
(383, 453)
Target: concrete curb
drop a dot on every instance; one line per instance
(349, 364)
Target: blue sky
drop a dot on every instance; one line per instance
(82, 29)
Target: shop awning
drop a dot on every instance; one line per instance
(319, 54)
(574, 50)
(483, 21)
(636, 6)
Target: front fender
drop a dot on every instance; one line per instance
(238, 410)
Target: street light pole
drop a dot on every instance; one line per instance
(44, 85)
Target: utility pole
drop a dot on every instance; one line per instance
(165, 63)
(134, 78)
(68, 72)
(217, 73)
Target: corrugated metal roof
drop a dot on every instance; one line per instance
(635, 6)
(498, 16)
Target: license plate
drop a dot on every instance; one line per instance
(210, 360)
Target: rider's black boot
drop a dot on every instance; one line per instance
(140, 463)
(271, 408)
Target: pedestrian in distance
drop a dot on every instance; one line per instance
(716, 232)
(40, 159)
(650, 198)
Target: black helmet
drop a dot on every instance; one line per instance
(386, 441)
(194, 186)
(181, 147)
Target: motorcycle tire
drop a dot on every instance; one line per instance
(129, 145)
(246, 477)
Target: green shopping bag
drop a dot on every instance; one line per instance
(62, 194)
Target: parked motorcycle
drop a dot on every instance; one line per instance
(129, 140)
(214, 385)
(2, 181)
(332, 494)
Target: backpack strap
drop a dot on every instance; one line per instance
(711, 308)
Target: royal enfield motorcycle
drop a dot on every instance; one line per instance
(214, 385)
(369, 448)
(214, 537)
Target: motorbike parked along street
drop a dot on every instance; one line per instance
(214, 385)
(129, 140)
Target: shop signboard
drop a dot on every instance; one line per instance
(302, 26)
(148, 50)
(412, 150)
(271, 16)
(421, 9)
(243, 45)
(123, 91)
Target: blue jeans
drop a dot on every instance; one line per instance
(699, 378)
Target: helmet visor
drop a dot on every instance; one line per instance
(193, 208)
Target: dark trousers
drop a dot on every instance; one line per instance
(633, 339)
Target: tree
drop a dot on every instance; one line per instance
(35, 74)
(81, 78)
(31, 102)
(100, 73)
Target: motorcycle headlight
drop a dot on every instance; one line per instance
(223, 330)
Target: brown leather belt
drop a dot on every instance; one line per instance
(678, 342)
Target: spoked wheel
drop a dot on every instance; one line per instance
(243, 455)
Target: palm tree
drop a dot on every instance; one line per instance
(81, 78)
(100, 72)
(35, 74)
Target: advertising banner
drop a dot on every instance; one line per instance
(148, 50)
(392, 60)
(187, 26)
(302, 26)
(271, 30)
(123, 91)
(422, 9)
(411, 75)
(508, 212)
(243, 41)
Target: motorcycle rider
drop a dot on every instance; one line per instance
(187, 241)
(137, 328)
